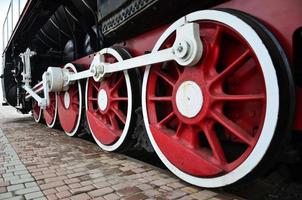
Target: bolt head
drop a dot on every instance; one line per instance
(180, 48)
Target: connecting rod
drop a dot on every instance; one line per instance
(186, 50)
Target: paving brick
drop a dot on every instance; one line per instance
(16, 198)
(3, 189)
(100, 192)
(128, 190)
(205, 194)
(152, 192)
(101, 184)
(15, 187)
(30, 184)
(49, 191)
(189, 189)
(111, 196)
(41, 198)
(21, 180)
(175, 194)
(63, 194)
(34, 195)
(175, 185)
(137, 196)
(12, 178)
(75, 185)
(27, 190)
(8, 175)
(52, 197)
(76, 174)
(82, 189)
(21, 172)
(25, 176)
(100, 179)
(45, 176)
(56, 178)
(85, 183)
(72, 180)
(121, 186)
(187, 197)
(4, 183)
(52, 185)
(166, 188)
(82, 196)
(6, 195)
(144, 186)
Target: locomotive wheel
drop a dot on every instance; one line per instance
(110, 104)
(219, 121)
(50, 112)
(70, 104)
(36, 111)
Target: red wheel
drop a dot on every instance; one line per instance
(51, 111)
(109, 105)
(36, 111)
(212, 124)
(70, 106)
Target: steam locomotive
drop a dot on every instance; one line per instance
(212, 87)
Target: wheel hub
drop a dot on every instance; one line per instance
(102, 100)
(189, 99)
(66, 100)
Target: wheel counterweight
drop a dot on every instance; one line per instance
(213, 123)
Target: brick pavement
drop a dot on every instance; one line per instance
(41, 163)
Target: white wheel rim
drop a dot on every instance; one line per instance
(272, 103)
(121, 139)
(39, 116)
(72, 133)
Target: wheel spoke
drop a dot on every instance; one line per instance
(233, 128)
(75, 93)
(233, 66)
(216, 46)
(217, 37)
(75, 103)
(47, 111)
(214, 142)
(178, 70)
(166, 119)
(179, 128)
(117, 84)
(95, 112)
(120, 115)
(189, 135)
(165, 77)
(154, 98)
(94, 84)
(113, 121)
(119, 98)
(248, 97)
(92, 99)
